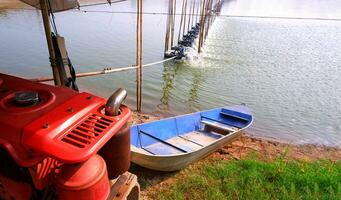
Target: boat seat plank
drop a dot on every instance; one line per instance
(181, 145)
(234, 116)
(219, 125)
(190, 141)
(160, 148)
(165, 142)
(185, 144)
(201, 138)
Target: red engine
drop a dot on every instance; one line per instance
(49, 137)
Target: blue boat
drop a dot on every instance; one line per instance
(173, 143)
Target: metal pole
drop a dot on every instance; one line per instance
(46, 21)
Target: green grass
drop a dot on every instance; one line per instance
(253, 179)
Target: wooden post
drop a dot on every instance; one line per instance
(46, 21)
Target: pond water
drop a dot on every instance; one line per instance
(287, 70)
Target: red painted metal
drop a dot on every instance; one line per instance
(54, 140)
(65, 125)
(88, 180)
(116, 153)
(43, 173)
(10, 189)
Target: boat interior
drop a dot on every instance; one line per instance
(187, 133)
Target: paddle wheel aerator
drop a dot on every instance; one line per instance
(56, 143)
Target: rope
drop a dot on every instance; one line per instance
(105, 71)
(52, 20)
(163, 13)
(221, 15)
(96, 4)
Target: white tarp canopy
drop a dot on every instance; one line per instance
(56, 5)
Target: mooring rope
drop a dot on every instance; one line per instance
(107, 70)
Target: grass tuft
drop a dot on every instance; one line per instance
(254, 179)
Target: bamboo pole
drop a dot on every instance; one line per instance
(137, 54)
(192, 16)
(185, 14)
(141, 57)
(173, 21)
(202, 25)
(168, 27)
(197, 12)
(189, 15)
(182, 17)
(46, 21)
(208, 17)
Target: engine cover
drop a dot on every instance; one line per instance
(39, 120)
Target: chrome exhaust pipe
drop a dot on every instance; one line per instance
(112, 107)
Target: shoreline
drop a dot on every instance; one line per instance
(138, 118)
(242, 148)
(271, 148)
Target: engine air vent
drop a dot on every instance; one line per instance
(87, 131)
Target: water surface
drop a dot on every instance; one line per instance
(286, 70)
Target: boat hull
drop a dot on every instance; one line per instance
(180, 161)
(180, 149)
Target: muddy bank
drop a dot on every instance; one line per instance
(241, 148)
